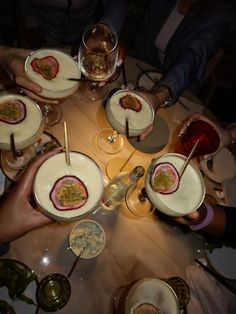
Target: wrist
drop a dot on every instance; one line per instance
(163, 94)
(204, 220)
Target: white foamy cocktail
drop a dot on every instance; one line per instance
(126, 104)
(190, 193)
(51, 69)
(22, 117)
(66, 192)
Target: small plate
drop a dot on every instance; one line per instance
(19, 306)
(223, 166)
(222, 259)
(88, 236)
(146, 79)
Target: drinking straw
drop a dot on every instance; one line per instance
(188, 159)
(127, 127)
(75, 263)
(67, 152)
(125, 163)
(13, 146)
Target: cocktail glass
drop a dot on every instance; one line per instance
(20, 119)
(188, 196)
(203, 131)
(72, 191)
(97, 57)
(58, 74)
(130, 120)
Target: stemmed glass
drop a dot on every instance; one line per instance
(165, 190)
(130, 114)
(98, 54)
(21, 125)
(58, 74)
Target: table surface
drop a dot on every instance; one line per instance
(135, 247)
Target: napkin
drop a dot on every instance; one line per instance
(207, 295)
(185, 110)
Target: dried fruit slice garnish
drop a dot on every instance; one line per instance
(68, 192)
(48, 67)
(165, 178)
(130, 102)
(12, 111)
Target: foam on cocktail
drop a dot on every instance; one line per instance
(138, 121)
(58, 87)
(27, 131)
(189, 195)
(54, 168)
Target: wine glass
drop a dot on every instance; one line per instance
(98, 54)
(130, 114)
(165, 190)
(58, 74)
(203, 131)
(21, 125)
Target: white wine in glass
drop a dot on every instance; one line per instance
(98, 54)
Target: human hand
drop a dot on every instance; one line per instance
(12, 61)
(224, 136)
(18, 215)
(154, 101)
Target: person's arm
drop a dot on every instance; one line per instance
(17, 212)
(191, 63)
(218, 220)
(114, 13)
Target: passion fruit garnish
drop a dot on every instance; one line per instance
(12, 111)
(48, 67)
(68, 192)
(165, 178)
(130, 102)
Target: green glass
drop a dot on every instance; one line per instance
(53, 292)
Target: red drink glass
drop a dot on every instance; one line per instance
(209, 139)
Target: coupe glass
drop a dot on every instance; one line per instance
(188, 196)
(130, 114)
(21, 125)
(97, 57)
(58, 74)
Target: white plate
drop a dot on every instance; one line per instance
(19, 306)
(224, 166)
(223, 260)
(145, 81)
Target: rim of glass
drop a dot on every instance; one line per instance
(112, 32)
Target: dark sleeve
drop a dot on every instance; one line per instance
(114, 13)
(194, 55)
(4, 248)
(230, 227)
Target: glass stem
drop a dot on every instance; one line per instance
(111, 139)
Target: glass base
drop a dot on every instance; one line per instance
(20, 162)
(93, 91)
(108, 142)
(52, 114)
(137, 201)
(117, 165)
(53, 292)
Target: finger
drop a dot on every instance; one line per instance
(38, 219)
(28, 84)
(38, 98)
(25, 185)
(146, 133)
